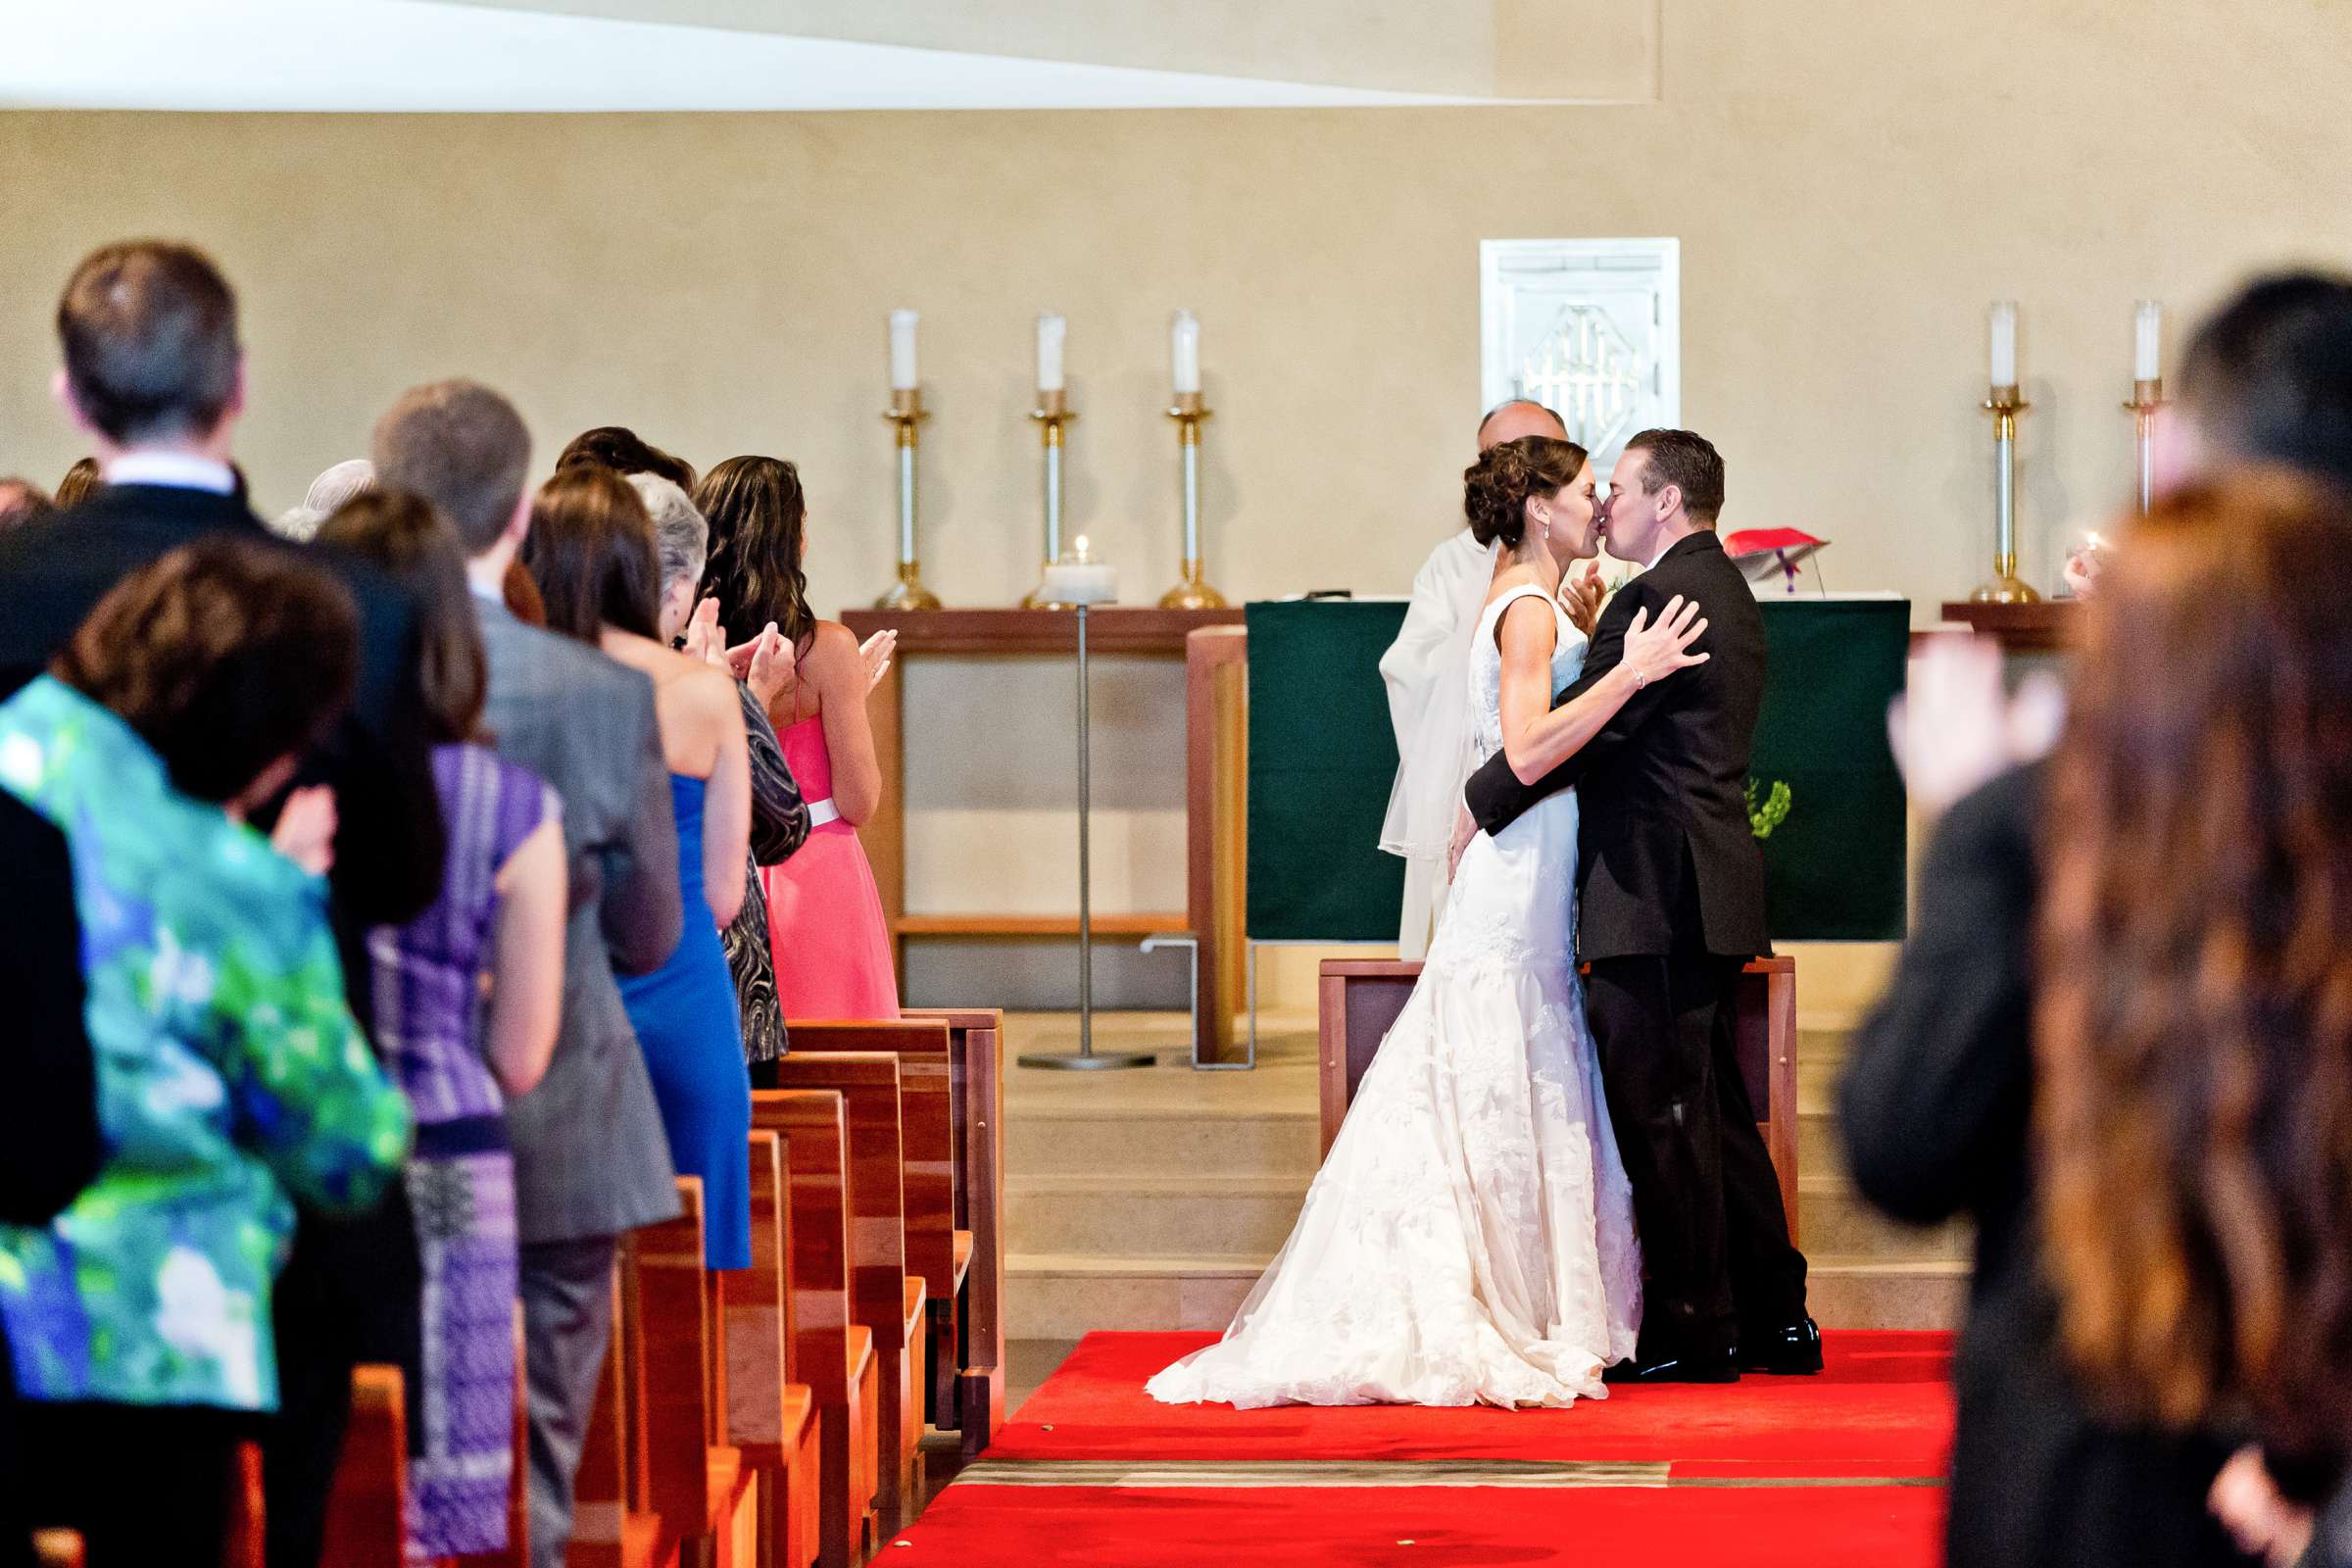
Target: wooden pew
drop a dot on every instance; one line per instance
(1361, 998)
(936, 1248)
(836, 1356)
(885, 1297)
(609, 1527)
(694, 1482)
(366, 1508)
(976, 1096)
(771, 1414)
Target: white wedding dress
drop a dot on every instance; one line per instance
(1470, 1238)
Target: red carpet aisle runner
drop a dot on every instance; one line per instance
(1808, 1472)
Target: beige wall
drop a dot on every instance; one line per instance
(1852, 179)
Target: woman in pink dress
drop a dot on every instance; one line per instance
(824, 914)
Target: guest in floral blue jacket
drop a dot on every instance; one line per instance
(230, 1073)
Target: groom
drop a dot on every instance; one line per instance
(1671, 888)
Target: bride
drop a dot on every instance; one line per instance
(1470, 1238)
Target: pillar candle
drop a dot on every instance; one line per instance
(2147, 338)
(2005, 343)
(1050, 331)
(901, 350)
(1184, 350)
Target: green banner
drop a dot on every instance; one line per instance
(1322, 759)
(1834, 864)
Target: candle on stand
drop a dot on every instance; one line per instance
(901, 350)
(2147, 341)
(1050, 331)
(1078, 578)
(1184, 350)
(2005, 343)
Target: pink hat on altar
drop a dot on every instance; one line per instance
(1765, 555)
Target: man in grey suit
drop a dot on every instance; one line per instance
(591, 1160)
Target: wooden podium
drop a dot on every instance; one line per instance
(1361, 998)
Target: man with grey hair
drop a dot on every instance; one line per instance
(591, 1160)
(1424, 670)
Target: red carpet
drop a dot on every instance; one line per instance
(1091, 1470)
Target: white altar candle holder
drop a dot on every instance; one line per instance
(2004, 405)
(905, 414)
(1194, 591)
(1053, 416)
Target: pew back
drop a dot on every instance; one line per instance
(926, 1129)
(976, 1090)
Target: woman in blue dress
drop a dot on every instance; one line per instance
(591, 551)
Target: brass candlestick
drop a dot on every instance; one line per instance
(1193, 593)
(2006, 587)
(906, 411)
(2146, 398)
(1051, 414)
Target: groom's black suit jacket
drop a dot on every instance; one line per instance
(1667, 860)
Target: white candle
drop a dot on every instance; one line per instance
(1050, 330)
(2147, 339)
(1080, 579)
(2005, 343)
(901, 350)
(1184, 350)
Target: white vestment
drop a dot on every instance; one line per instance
(1426, 672)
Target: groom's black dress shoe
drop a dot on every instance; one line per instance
(1675, 1369)
(1791, 1351)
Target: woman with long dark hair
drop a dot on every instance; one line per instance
(2194, 1020)
(826, 928)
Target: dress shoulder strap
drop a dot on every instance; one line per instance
(1518, 590)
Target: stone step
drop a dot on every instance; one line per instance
(1125, 1214)
(1836, 1221)
(1170, 1142)
(1063, 1295)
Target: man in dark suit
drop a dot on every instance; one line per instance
(154, 374)
(1670, 905)
(591, 1160)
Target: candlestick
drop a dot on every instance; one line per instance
(906, 411)
(1184, 352)
(2148, 398)
(2005, 343)
(1052, 415)
(901, 350)
(1193, 593)
(2147, 337)
(2004, 404)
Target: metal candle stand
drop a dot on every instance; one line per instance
(1194, 592)
(1086, 1058)
(2147, 397)
(906, 411)
(2006, 587)
(1053, 416)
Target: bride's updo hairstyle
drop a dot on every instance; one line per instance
(1496, 488)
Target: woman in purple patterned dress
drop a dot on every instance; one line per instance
(467, 998)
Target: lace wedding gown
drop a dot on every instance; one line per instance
(1470, 1238)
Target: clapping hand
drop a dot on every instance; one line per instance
(1580, 596)
(2248, 1502)
(305, 829)
(875, 655)
(704, 638)
(1954, 728)
(1652, 652)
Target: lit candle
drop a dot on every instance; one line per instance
(1050, 331)
(2005, 343)
(2147, 338)
(1184, 349)
(901, 350)
(1078, 578)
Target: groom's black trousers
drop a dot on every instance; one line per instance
(1714, 1240)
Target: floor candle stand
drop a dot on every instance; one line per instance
(1086, 1058)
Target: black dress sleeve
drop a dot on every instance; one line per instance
(779, 816)
(49, 1143)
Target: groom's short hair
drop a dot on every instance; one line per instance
(1688, 460)
(2268, 377)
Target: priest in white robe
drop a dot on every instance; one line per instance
(1426, 670)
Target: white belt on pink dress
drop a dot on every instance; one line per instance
(822, 812)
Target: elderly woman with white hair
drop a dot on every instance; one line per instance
(345, 481)
(779, 816)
